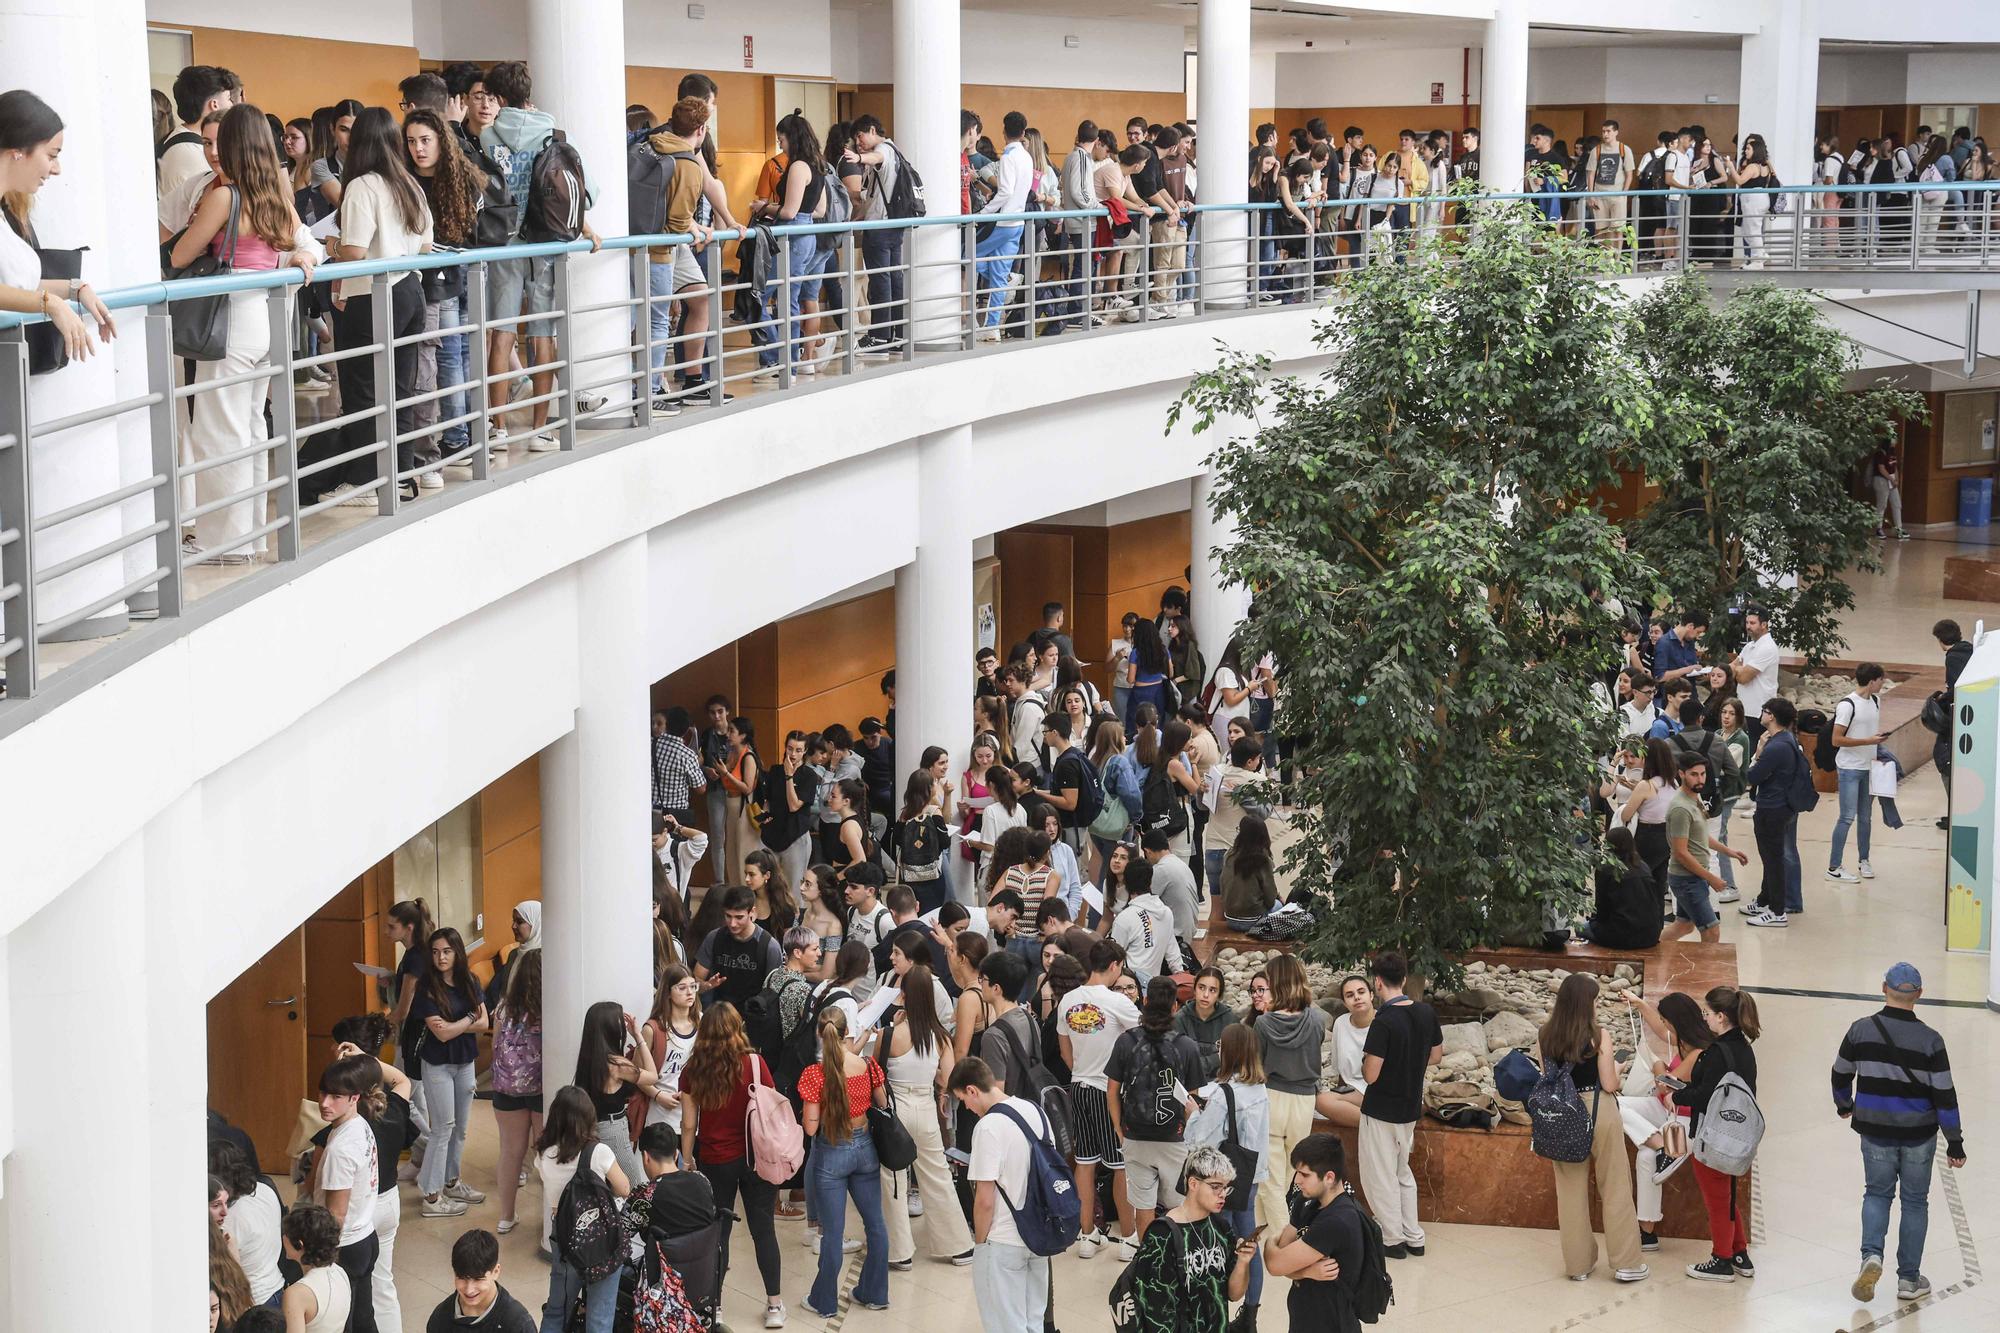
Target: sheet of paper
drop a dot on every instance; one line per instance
(878, 1005)
(370, 970)
(1093, 897)
(327, 227)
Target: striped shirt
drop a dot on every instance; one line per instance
(1894, 1077)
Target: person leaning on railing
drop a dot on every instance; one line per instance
(451, 185)
(31, 143)
(250, 191)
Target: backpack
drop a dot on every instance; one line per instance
(839, 203)
(1029, 1078)
(1801, 795)
(1090, 800)
(1145, 1095)
(771, 1132)
(1653, 171)
(1375, 1292)
(1562, 1129)
(1825, 752)
(1711, 790)
(660, 1302)
(906, 196)
(800, 1046)
(589, 1231)
(1112, 818)
(1124, 1297)
(1731, 1128)
(879, 954)
(1936, 716)
(648, 177)
(175, 139)
(1050, 1213)
(1161, 810)
(557, 195)
(763, 1014)
(920, 845)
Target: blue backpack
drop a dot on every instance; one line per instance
(1561, 1128)
(1050, 1214)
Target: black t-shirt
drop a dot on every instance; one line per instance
(1333, 1232)
(1069, 776)
(410, 1039)
(611, 1105)
(1403, 1034)
(742, 964)
(393, 1133)
(1627, 914)
(878, 769)
(460, 1050)
(1149, 180)
(785, 826)
(1176, 1060)
(1583, 1074)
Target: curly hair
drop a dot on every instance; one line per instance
(457, 183)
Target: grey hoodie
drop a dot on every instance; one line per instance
(1292, 1046)
(513, 139)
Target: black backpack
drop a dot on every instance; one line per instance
(920, 847)
(1160, 807)
(1375, 1292)
(763, 1016)
(1653, 172)
(557, 195)
(1146, 1094)
(589, 1230)
(801, 1045)
(1819, 726)
(906, 196)
(648, 177)
(173, 140)
(1089, 788)
(1029, 1078)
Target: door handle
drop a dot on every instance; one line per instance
(280, 1004)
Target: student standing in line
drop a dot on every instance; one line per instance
(1188, 1271)
(1204, 1020)
(614, 1066)
(1010, 1283)
(715, 1101)
(1857, 730)
(1236, 1105)
(835, 1095)
(1892, 1082)
(344, 1177)
(1732, 1017)
(322, 1300)
(569, 1143)
(1090, 1021)
(1572, 1037)
(1780, 765)
(911, 1052)
(387, 1111)
(1320, 1248)
(1403, 1041)
(451, 1009)
(1291, 1038)
(1147, 1084)
(252, 1217)
(410, 925)
(517, 1075)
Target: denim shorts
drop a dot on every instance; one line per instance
(1691, 901)
(523, 287)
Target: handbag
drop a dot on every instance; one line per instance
(1242, 1190)
(46, 352)
(201, 323)
(894, 1147)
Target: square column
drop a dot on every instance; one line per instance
(1780, 87)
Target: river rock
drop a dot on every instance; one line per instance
(1505, 1032)
(1467, 1037)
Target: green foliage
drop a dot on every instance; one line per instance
(1754, 477)
(1423, 573)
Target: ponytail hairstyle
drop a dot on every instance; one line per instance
(1738, 1007)
(836, 1123)
(414, 915)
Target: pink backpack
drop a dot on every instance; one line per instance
(771, 1132)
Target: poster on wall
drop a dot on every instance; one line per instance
(1975, 799)
(985, 604)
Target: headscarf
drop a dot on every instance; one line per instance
(530, 911)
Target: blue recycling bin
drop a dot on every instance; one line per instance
(1975, 502)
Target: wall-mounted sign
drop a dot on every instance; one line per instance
(749, 51)
(1437, 94)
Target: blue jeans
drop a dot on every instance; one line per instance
(1856, 807)
(805, 263)
(452, 363)
(1243, 1224)
(1212, 863)
(1725, 866)
(448, 1102)
(1076, 268)
(1794, 895)
(600, 1300)
(660, 310)
(996, 265)
(836, 1171)
(1886, 1167)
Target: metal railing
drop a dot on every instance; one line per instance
(289, 441)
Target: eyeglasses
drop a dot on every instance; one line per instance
(1219, 1186)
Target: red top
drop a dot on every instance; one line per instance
(860, 1088)
(718, 1134)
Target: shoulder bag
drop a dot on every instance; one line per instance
(201, 323)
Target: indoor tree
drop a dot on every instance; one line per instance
(1754, 505)
(1433, 584)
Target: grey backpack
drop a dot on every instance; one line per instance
(1730, 1130)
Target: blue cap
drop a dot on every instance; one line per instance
(1903, 977)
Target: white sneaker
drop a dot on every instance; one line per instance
(1750, 908)
(1771, 920)
(1913, 1289)
(458, 1189)
(1088, 1244)
(443, 1206)
(850, 1245)
(1727, 896)
(524, 1177)
(543, 442)
(1128, 1248)
(431, 481)
(987, 335)
(774, 1315)
(1867, 871)
(1843, 876)
(1639, 1274)
(916, 1204)
(496, 434)
(811, 1239)
(506, 1225)
(1160, 312)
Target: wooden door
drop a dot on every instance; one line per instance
(1039, 567)
(257, 1049)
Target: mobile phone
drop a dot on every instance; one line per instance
(1669, 1081)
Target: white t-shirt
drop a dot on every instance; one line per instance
(995, 820)
(676, 1060)
(1218, 721)
(1000, 1154)
(351, 1164)
(178, 203)
(1093, 1018)
(253, 1223)
(372, 222)
(1347, 1043)
(556, 1177)
(180, 162)
(1638, 720)
(1829, 169)
(1761, 653)
(1862, 716)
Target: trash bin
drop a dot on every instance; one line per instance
(1975, 502)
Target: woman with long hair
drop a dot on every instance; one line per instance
(1290, 1039)
(798, 197)
(569, 1143)
(1002, 814)
(333, 133)
(1677, 1030)
(228, 1281)
(715, 1099)
(668, 1034)
(251, 1216)
(1625, 913)
(776, 908)
(1237, 1105)
(1249, 885)
(1121, 786)
(31, 143)
(835, 1095)
(975, 794)
(1169, 762)
(298, 155)
(410, 926)
(451, 185)
(163, 121)
(920, 807)
(1342, 1105)
(382, 216)
(248, 222)
(1146, 673)
(990, 718)
(1754, 175)
(1571, 1039)
(742, 778)
(1112, 884)
(1647, 805)
(911, 1052)
(1730, 1014)
(1934, 168)
(451, 1010)
(613, 1066)
(517, 1075)
(819, 891)
(323, 1298)
(1266, 171)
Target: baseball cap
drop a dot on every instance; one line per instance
(1903, 977)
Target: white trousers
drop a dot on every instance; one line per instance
(1387, 1180)
(916, 1109)
(228, 420)
(388, 1216)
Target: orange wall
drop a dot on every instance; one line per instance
(1053, 111)
(825, 666)
(294, 76)
(510, 850)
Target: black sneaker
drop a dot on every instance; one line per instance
(902, 1265)
(1396, 1251)
(1715, 1268)
(1416, 1250)
(1649, 1241)
(667, 406)
(1740, 1261)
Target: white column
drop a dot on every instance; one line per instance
(1222, 96)
(1503, 97)
(1217, 610)
(1779, 92)
(87, 60)
(934, 629)
(596, 897)
(576, 57)
(925, 127)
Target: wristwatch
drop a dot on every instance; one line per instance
(75, 285)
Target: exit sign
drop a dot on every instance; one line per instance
(749, 52)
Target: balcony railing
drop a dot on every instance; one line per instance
(261, 482)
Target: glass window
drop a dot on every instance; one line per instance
(1968, 429)
(442, 865)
